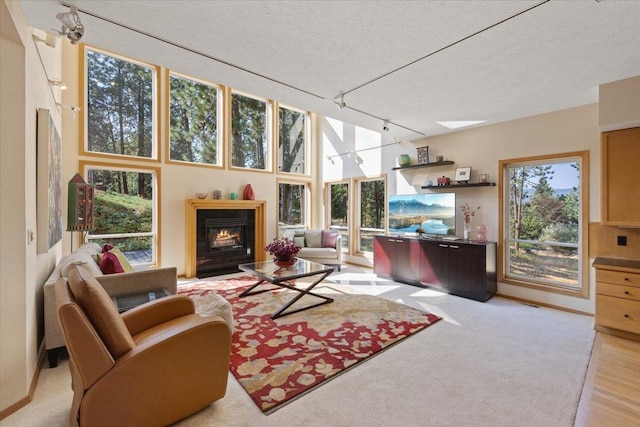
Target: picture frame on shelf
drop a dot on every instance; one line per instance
(463, 175)
(423, 155)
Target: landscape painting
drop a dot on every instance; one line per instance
(433, 212)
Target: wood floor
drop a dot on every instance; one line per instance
(611, 393)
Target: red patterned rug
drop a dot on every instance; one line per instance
(278, 360)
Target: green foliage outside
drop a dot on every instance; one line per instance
(248, 132)
(121, 213)
(193, 121)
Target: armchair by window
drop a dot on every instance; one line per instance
(152, 365)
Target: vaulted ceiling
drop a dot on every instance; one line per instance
(411, 62)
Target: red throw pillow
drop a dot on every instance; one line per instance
(109, 263)
(329, 239)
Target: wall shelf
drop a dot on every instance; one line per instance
(477, 184)
(424, 165)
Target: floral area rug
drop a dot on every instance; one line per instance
(278, 360)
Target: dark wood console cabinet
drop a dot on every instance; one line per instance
(462, 268)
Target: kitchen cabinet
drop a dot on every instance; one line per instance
(620, 190)
(618, 297)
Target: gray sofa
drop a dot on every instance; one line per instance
(321, 246)
(114, 284)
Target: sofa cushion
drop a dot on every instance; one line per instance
(299, 241)
(325, 253)
(313, 238)
(77, 257)
(329, 239)
(101, 310)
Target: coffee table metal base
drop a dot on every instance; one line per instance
(282, 311)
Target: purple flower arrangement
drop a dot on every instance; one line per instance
(282, 249)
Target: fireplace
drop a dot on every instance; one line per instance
(222, 234)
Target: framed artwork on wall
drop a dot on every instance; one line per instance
(48, 182)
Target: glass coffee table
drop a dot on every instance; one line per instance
(268, 271)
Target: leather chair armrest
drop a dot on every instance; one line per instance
(156, 312)
(186, 361)
(146, 280)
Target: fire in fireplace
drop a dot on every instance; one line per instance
(225, 237)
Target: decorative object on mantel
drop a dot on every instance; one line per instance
(404, 160)
(423, 154)
(467, 214)
(463, 175)
(283, 250)
(233, 195)
(248, 193)
(444, 180)
(481, 232)
(217, 194)
(201, 195)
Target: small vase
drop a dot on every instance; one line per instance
(467, 231)
(481, 231)
(404, 160)
(248, 193)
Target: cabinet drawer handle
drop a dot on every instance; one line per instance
(454, 246)
(392, 240)
(626, 292)
(399, 241)
(626, 315)
(443, 246)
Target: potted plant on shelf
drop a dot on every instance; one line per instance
(284, 251)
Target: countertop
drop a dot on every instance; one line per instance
(619, 264)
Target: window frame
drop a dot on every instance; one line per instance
(269, 132)
(581, 157)
(156, 108)
(307, 139)
(347, 248)
(220, 123)
(356, 243)
(306, 215)
(155, 172)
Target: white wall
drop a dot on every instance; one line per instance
(24, 89)
(481, 148)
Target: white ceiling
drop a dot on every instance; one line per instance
(411, 62)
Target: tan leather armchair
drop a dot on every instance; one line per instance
(151, 366)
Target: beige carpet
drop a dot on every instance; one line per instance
(498, 363)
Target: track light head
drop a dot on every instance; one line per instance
(58, 83)
(339, 100)
(385, 126)
(72, 28)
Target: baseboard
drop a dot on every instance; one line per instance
(542, 304)
(32, 388)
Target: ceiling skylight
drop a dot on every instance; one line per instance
(460, 123)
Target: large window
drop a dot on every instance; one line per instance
(292, 137)
(120, 106)
(339, 210)
(372, 196)
(544, 212)
(292, 212)
(193, 114)
(125, 206)
(249, 148)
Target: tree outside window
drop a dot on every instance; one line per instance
(339, 211)
(372, 212)
(119, 106)
(292, 206)
(291, 140)
(193, 111)
(248, 132)
(543, 221)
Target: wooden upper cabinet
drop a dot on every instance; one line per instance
(621, 177)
